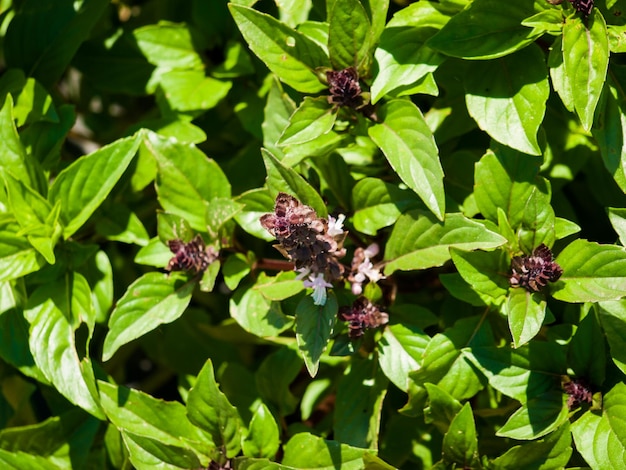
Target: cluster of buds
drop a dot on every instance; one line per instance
(535, 271)
(363, 269)
(362, 315)
(578, 392)
(314, 244)
(193, 257)
(344, 88)
(581, 6)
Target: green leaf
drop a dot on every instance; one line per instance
(418, 241)
(17, 256)
(168, 45)
(274, 377)
(286, 52)
(400, 351)
(442, 408)
(263, 438)
(408, 144)
(553, 451)
(526, 312)
(612, 316)
(256, 314)
(379, 204)
(523, 373)
(84, 185)
(314, 324)
(236, 267)
(314, 117)
(277, 112)
(601, 438)
(487, 29)
(609, 127)
(209, 409)
(146, 453)
(483, 271)
(257, 202)
(13, 156)
(537, 417)
(586, 59)
(507, 97)
(191, 90)
(164, 422)
(42, 38)
(402, 57)
(359, 401)
(283, 179)
(34, 104)
(587, 351)
(280, 287)
(187, 180)
(617, 217)
(591, 273)
(219, 211)
(305, 450)
(349, 36)
(55, 311)
(150, 301)
(460, 444)
(117, 222)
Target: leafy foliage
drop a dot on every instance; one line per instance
(444, 186)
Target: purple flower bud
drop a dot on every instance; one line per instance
(193, 257)
(344, 88)
(362, 315)
(583, 6)
(578, 390)
(535, 271)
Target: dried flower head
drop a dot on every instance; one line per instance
(344, 88)
(193, 257)
(578, 391)
(362, 315)
(535, 271)
(583, 6)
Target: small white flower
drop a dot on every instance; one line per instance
(367, 268)
(319, 285)
(371, 250)
(335, 226)
(303, 272)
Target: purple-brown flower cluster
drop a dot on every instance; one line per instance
(193, 257)
(344, 88)
(535, 271)
(362, 315)
(578, 392)
(314, 244)
(583, 6)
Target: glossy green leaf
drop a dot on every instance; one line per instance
(191, 90)
(400, 352)
(586, 58)
(20, 460)
(13, 156)
(236, 267)
(281, 178)
(460, 444)
(305, 450)
(483, 271)
(219, 211)
(373, 462)
(256, 314)
(314, 325)
(523, 373)
(409, 146)
(526, 312)
(314, 117)
(168, 45)
(612, 316)
(617, 217)
(349, 40)
(55, 311)
(286, 52)
(359, 403)
(164, 422)
(209, 409)
(150, 301)
(591, 272)
(537, 417)
(402, 57)
(274, 377)
(257, 202)
(486, 30)
(120, 224)
(146, 453)
(418, 241)
(560, 79)
(442, 407)
(262, 439)
(553, 451)
(42, 38)
(17, 256)
(587, 351)
(187, 180)
(280, 287)
(609, 128)
(85, 184)
(277, 112)
(379, 204)
(601, 438)
(34, 104)
(507, 97)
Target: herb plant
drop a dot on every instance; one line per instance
(292, 234)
